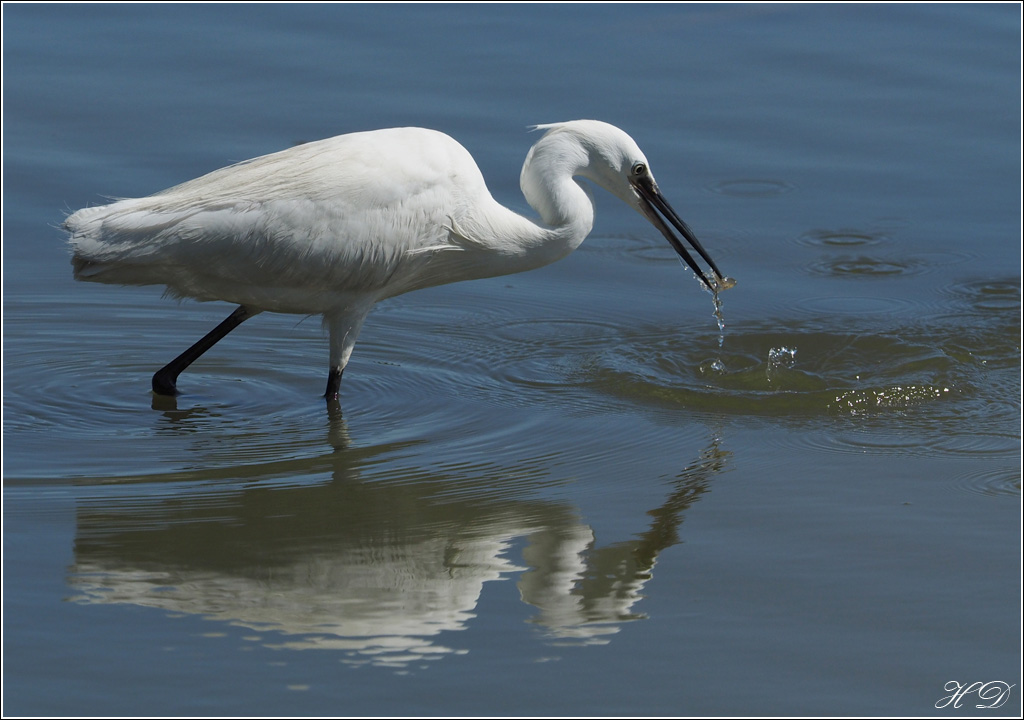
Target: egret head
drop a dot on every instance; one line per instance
(611, 159)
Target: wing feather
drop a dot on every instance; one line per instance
(350, 213)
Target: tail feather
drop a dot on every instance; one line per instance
(110, 244)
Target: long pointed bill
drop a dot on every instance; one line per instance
(653, 202)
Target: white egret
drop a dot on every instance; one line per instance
(334, 226)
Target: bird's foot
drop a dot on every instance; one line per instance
(165, 384)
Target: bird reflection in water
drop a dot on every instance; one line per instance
(378, 570)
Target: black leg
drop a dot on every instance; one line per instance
(333, 383)
(166, 378)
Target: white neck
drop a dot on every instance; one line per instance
(516, 243)
(494, 240)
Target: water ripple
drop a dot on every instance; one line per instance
(433, 368)
(987, 296)
(751, 187)
(847, 305)
(992, 482)
(754, 373)
(866, 266)
(844, 238)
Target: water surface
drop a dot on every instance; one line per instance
(562, 492)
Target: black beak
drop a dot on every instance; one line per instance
(653, 202)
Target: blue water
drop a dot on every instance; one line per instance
(562, 492)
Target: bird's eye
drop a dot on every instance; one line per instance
(639, 169)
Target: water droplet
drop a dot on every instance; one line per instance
(781, 356)
(778, 358)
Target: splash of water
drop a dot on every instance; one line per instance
(780, 357)
(718, 285)
(777, 357)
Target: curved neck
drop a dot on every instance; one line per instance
(565, 205)
(494, 240)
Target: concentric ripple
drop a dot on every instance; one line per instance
(989, 295)
(866, 266)
(767, 373)
(992, 482)
(843, 238)
(97, 403)
(752, 187)
(855, 253)
(853, 306)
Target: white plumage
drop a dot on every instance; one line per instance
(334, 226)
